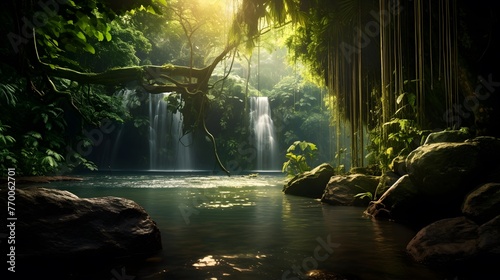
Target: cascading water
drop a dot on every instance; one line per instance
(264, 138)
(110, 152)
(124, 95)
(169, 149)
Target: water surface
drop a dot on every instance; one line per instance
(241, 227)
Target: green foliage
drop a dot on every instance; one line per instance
(363, 195)
(40, 150)
(403, 136)
(96, 35)
(77, 27)
(89, 36)
(60, 35)
(229, 119)
(7, 94)
(229, 96)
(36, 159)
(34, 141)
(299, 155)
(42, 115)
(77, 160)
(367, 194)
(7, 157)
(277, 12)
(123, 50)
(298, 113)
(340, 156)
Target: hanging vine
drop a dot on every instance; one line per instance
(375, 58)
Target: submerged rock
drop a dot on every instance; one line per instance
(311, 183)
(341, 189)
(59, 227)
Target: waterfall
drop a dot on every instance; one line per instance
(264, 138)
(169, 149)
(110, 155)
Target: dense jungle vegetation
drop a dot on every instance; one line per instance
(364, 80)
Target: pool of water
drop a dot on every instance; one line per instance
(242, 227)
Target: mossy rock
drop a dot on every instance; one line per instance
(310, 183)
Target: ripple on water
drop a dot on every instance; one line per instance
(245, 228)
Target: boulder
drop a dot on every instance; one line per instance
(489, 238)
(448, 136)
(489, 151)
(401, 192)
(493, 176)
(61, 228)
(368, 170)
(447, 241)
(458, 241)
(444, 170)
(310, 183)
(403, 203)
(398, 165)
(483, 204)
(400, 202)
(386, 180)
(341, 189)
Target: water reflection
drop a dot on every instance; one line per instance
(206, 261)
(245, 228)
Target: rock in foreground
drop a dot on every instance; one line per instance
(458, 241)
(483, 204)
(445, 241)
(58, 226)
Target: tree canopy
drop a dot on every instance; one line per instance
(68, 55)
(389, 66)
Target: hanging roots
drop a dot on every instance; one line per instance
(212, 139)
